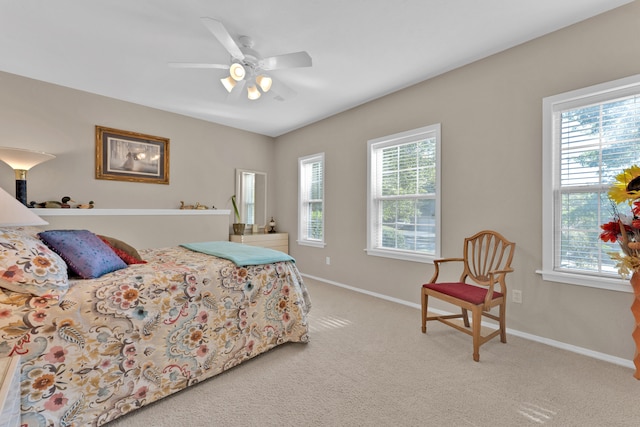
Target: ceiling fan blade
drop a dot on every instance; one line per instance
(237, 91)
(288, 60)
(223, 36)
(197, 65)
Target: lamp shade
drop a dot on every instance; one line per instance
(253, 93)
(21, 159)
(13, 213)
(264, 82)
(228, 83)
(237, 71)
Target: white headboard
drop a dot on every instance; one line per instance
(143, 228)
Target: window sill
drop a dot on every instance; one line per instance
(401, 255)
(611, 284)
(311, 243)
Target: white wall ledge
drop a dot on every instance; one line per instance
(125, 212)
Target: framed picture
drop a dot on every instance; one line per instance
(130, 156)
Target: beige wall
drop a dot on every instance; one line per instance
(490, 113)
(61, 121)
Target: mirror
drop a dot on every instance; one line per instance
(251, 194)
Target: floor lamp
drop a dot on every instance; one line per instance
(14, 213)
(21, 161)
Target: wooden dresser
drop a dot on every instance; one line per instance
(277, 241)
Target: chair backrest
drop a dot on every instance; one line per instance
(484, 252)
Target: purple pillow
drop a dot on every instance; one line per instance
(84, 252)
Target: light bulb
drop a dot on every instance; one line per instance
(228, 83)
(253, 93)
(264, 82)
(237, 71)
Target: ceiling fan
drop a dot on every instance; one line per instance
(247, 67)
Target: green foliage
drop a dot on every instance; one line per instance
(315, 227)
(235, 208)
(392, 238)
(408, 187)
(614, 135)
(407, 170)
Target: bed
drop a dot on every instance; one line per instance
(95, 348)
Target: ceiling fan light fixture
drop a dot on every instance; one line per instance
(245, 63)
(237, 71)
(228, 83)
(264, 82)
(253, 93)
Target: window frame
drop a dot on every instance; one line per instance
(551, 106)
(302, 208)
(373, 213)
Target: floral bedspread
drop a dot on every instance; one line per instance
(131, 337)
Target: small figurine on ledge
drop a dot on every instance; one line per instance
(85, 205)
(53, 204)
(272, 225)
(196, 206)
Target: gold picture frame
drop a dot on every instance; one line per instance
(129, 156)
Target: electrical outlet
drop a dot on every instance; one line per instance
(516, 296)
(328, 260)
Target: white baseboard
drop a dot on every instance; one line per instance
(553, 343)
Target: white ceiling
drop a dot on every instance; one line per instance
(361, 49)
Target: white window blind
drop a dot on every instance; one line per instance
(594, 134)
(311, 200)
(403, 216)
(249, 197)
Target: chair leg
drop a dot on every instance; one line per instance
(503, 322)
(476, 314)
(465, 317)
(425, 303)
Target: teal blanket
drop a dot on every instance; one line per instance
(242, 255)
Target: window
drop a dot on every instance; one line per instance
(248, 205)
(590, 136)
(311, 200)
(403, 200)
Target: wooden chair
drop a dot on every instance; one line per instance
(487, 260)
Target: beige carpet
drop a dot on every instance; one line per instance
(368, 364)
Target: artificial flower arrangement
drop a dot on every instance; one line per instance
(625, 229)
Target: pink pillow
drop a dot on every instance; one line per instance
(125, 256)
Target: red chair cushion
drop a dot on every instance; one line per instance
(463, 291)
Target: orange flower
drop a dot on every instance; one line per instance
(44, 382)
(41, 262)
(611, 231)
(196, 336)
(130, 295)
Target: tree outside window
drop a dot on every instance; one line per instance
(591, 135)
(311, 200)
(403, 195)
